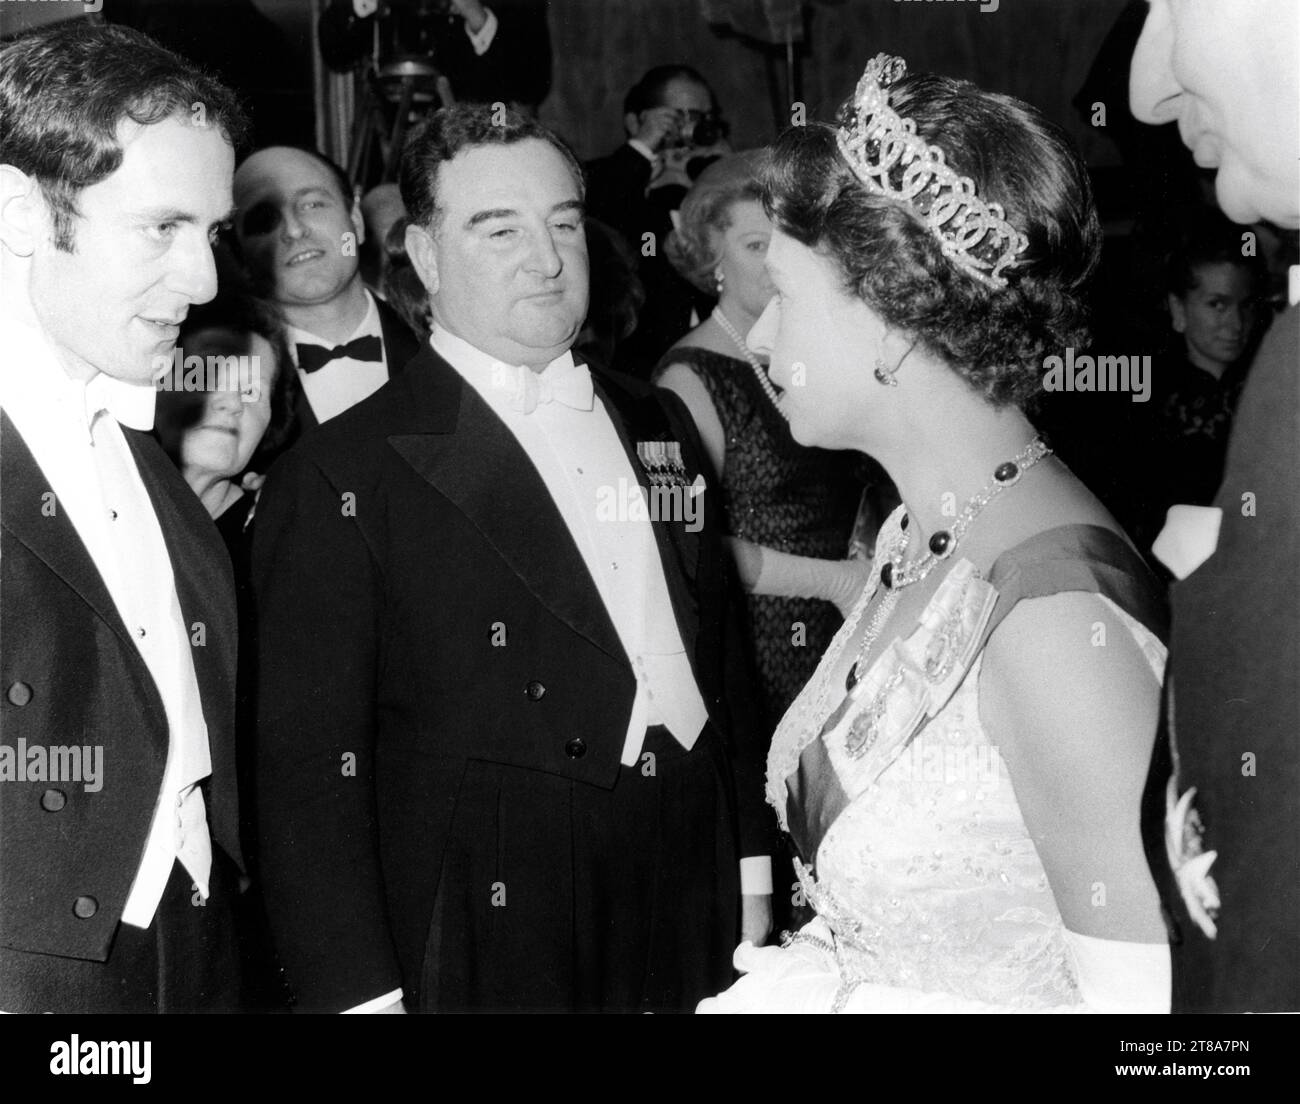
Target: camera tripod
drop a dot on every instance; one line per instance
(415, 85)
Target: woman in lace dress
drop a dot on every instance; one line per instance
(962, 776)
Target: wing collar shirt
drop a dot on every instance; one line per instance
(569, 437)
(343, 382)
(577, 452)
(73, 430)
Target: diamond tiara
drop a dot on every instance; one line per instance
(884, 152)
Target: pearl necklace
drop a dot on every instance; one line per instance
(759, 372)
(894, 577)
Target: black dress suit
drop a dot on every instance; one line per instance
(443, 807)
(400, 345)
(71, 675)
(1232, 710)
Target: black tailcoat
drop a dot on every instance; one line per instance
(70, 674)
(444, 703)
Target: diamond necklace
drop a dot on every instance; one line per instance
(759, 372)
(942, 544)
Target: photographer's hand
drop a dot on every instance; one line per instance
(473, 12)
(655, 126)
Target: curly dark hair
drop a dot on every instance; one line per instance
(995, 339)
(65, 90)
(402, 286)
(617, 294)
(448, 132)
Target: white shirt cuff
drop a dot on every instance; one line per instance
(756, 876)
(482, 41)
(641, 148)
(373, 1005)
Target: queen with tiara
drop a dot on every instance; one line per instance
(962, 777)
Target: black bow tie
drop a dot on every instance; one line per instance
(314, 357)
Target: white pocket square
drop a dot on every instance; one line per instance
(1189, 538)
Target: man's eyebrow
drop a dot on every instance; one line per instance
(175, 214)
(164, 214)
(509, 212)
(323, 188)
(479, 217)
(275, 197)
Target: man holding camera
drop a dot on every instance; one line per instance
(502, 52)
(673, 132)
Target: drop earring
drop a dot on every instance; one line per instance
(886, 375)
(718, 280)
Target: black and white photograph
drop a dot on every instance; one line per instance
(650, 506)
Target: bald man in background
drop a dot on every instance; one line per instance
(300, 233)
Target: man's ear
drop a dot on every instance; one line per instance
(358, 222)
(423, 253)
(22, 212)
(1178, 313)
(631, 124)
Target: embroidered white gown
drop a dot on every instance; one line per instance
(929, 892)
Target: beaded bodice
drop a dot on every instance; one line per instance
(782, 495)
(920, 860)
(775, 492)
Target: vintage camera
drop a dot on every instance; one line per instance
(699, 130)
(709, 131)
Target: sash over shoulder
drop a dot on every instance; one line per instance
(829, 761)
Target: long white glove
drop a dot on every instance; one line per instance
(766, 571)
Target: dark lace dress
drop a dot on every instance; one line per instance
(779, 494)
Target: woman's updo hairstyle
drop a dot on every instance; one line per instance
(995, 339)
(694, 247)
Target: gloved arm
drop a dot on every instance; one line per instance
(1113, 976)
(766, 571)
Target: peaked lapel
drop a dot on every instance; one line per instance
(205, 584)
(469, 456)
(205, 590)
(306, 416)
(400, 346)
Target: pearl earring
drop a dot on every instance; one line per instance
(718, 279)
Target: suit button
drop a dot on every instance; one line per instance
(85, 907)
(576, 748)
(535, 690)
(53, 800)
(20, 693)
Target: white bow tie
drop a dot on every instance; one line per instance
(570, 386)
